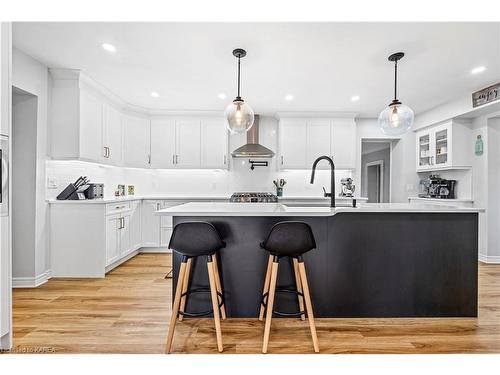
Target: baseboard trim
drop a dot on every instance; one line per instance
(489, 259)
(31, 282)
(154, 250)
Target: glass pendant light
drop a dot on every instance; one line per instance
(239, 116)
(397, 118)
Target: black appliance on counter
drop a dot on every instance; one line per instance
(82, 189)
(439, 188)
(253, 198)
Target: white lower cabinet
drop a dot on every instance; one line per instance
(113, 227)
(150, 223)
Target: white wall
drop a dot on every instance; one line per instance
(23, 198)
(32, 77)
(199, 182)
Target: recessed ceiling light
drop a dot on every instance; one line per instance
(108, 47)
(478, 69)
(354, 98)
(289, 97)
(222, 96)
(154, 94)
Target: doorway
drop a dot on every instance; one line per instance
(23, 197)
(375, 167)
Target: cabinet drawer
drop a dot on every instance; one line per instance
(113, 208)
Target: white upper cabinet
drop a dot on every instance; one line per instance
(188, 143)
(136, 141)
(87, 124)
(293, 142)
(303, 140)
(113, 135)
(344, 143)
(214, 144)
(318, 140)
(435, 146)
(163, 143)
(91, 127)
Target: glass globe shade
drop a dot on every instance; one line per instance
(396, 119)
(239, 117)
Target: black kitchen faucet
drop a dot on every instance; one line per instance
(332, 184)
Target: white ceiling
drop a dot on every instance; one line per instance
(321, 64)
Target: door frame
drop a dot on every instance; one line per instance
(380, 180)
(362, 175)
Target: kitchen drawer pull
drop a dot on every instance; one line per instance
(225, 159)
(173, 158)
(281, 159)
(176, 159)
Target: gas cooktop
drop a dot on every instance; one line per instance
(253, 198)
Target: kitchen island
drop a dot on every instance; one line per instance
(375, 260)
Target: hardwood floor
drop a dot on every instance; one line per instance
(128, 312)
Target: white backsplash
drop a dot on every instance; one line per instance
(197, 182)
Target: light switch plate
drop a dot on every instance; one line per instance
(51, 183)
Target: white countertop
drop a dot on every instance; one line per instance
(279, 209)
(439, 199)
(190, 198)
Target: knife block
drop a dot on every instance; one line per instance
(69, 193)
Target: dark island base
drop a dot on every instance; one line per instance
(365, 265)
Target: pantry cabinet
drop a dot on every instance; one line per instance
(303, 140)
(435, 146)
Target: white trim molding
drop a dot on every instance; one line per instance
(489, 259)
(31, 282)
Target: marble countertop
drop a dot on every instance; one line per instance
(279, 209)
(190, 198)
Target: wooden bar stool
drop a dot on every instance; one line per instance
(287, 239)
(191, 240)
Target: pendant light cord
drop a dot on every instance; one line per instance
(238, 77)
(395, 80)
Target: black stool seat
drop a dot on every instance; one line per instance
(196, 238)
(289, 239)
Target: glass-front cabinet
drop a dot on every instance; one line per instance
(435, 146)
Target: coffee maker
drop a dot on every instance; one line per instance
(437, 187)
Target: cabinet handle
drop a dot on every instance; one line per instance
(173, 158)
(157, 206)
(149, 159)
(432, 160)
(281, 159)
(225, 159)
(106, 155)
(176, 159)
(123, 223)
(109, 152)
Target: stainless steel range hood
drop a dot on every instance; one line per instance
(253, 149)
